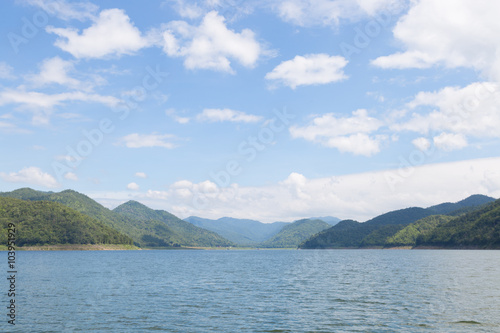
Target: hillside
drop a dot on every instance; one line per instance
(144, 232)
(408, 235)
(293, 234)
(376, 232)
(477, 229)
(184, 233)
(45, 222)
(240, 231)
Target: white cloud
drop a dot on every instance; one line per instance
(219, 115)
(310, 69)
(181, 120)
(136, 140)
(141, 175)
(299, 197)
(452, 33)
(133, 186)
(449, 141)
(211, 45)
(348, 134)
(6, 71)
(112, 33)
(71, 176)
(66, 11)
(458, 113)
(41, 104)
(330, 12)
(31, 176)
(422, 144)
(55, 70)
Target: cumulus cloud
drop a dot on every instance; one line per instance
(450, 141)
(133, 186)
(55, 70)
(451, 33)
(136, 140)
(421, 143)
(298, 196)
(311, 69)
(211, 45)
(347, 134)
(31, 176)
(111, 34)
(220, 115)
(457, 113)
(141, 175)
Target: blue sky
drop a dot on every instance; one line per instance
(271, 110)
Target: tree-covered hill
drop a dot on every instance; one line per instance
(408, 235)
(185, 233)
(45, 222)
(293, 234)
(378, 231)
(478, 229)
(144, 232)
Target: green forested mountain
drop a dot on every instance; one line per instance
(144, 232)
(378, 231)
(408, 235)
(479, 228)
(293, 234)
(240, 231)
(182, 232)
(45, 222)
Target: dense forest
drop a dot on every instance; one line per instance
(45, 222)
(168, 226)
(473, 222)
(144, 232)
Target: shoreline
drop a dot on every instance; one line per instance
(75, 247)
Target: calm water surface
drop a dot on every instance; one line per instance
(257, 291)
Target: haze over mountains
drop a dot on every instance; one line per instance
(69, 217)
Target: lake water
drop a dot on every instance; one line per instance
(257, 291)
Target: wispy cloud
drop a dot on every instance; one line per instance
(220, 115)
(137, 140)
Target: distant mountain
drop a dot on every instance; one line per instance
(328, 219)
(239, 231)
(179, 231)
(462, 206)
(293, 234)
(477, 229)
(376, 232)
(50, 223)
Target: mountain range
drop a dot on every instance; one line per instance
(405, 227)
(69, 217)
